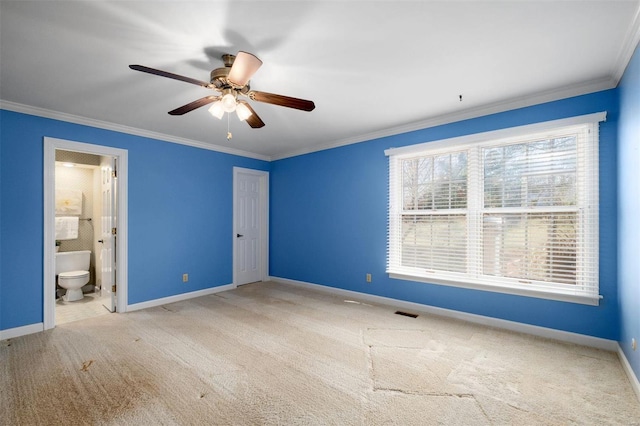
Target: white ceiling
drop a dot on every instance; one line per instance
(372, 68)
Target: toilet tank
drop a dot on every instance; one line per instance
(68, 261)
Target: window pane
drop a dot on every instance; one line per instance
(435, 242)
(518, 214)
(425, 170)
(533, 174)
(531, 246)
(409, 182)
(435, 182)
(459, 180)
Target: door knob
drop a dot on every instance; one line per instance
(239, 235)
(101, 241)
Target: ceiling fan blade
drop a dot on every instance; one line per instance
(253, 120)
(171, 75)
(243, 68)
(193, 105)
(281, 100)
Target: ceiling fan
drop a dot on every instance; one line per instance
(232, 81)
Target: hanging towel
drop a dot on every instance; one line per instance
(66, 228)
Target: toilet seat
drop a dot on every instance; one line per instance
(74, 274)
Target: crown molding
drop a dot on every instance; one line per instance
(46, 113)
(632, 40)
(494, 108)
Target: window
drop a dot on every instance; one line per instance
(513, 211)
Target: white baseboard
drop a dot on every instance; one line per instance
(564, 336)
(21, 331)
(179, 297)
(635, 384)
(38, 327)
(549, 333)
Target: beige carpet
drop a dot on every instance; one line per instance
(271, 353)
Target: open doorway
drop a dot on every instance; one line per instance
(85, 217)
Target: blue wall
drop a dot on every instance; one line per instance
(180, 214)
(329, 221)
(629, 214)
(328, 217)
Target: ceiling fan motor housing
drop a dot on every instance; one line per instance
(219, 77)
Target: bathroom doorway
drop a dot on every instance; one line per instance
(85, 211)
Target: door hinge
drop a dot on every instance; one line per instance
(114, 173)
(113, 288)
(113, 231)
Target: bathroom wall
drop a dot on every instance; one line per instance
(80, 178)
(77, 158)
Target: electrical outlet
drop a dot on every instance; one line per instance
(634, 344)
(185, 278)
(368, 278)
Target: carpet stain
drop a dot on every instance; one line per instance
(86, 365)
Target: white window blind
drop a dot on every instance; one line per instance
(513, 211)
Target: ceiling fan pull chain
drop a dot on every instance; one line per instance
(229, 135)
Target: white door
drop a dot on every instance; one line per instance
(108, 233)
(248, 228)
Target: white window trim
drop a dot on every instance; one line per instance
(486, 139)
(492, 136)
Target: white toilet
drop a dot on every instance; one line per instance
(72, 269)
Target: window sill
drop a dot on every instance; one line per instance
(540, 294)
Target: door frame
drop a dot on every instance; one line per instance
(263, 209)
(49, 267)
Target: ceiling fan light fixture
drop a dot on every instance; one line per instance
(244, 66)
(216, 110)
(228, 101)
(243, 111)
